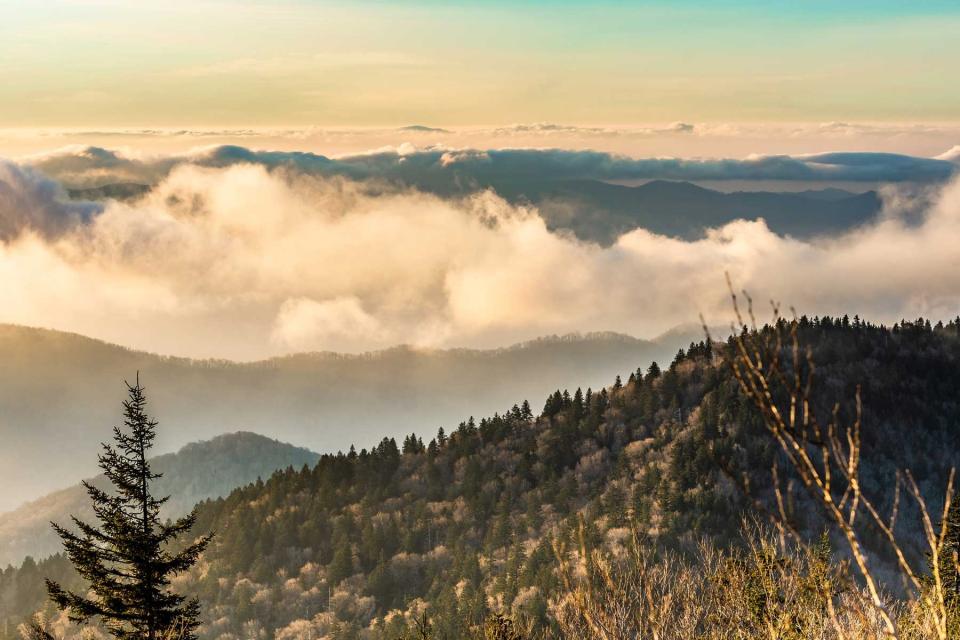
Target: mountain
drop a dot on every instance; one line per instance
(829, 193)
(602, 212)
(420, 128)
(598, 211)
(197, 472)
(60, 394)
(117, 191)
(467, 522)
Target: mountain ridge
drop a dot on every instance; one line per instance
(571, 337)
(196, 472)
(599, 211)
(59, 393)
(468, 524)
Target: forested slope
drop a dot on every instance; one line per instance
(60, 392)
(461, 524)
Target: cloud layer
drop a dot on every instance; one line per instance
(245, 254)
(676, 139)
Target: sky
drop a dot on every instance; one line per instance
(281, 143)
(267, 63)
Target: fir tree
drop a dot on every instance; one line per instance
(126, 558)
(525, 411)
(653, 372)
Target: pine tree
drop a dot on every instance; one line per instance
(525, 411)
(342, 565)
(653, 372)
(126, 558)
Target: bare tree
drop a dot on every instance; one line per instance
(776, 374)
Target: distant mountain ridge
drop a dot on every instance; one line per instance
(198, 471)
(602, 212)
(117, 191)
(599, 211)
(60, 394)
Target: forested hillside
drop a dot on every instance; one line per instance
(59, 391)
(463, 524)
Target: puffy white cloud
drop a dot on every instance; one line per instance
(951, 155)
(244, 261)
(338, 324)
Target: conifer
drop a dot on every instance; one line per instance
(126, 557)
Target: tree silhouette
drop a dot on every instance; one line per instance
(127, 557)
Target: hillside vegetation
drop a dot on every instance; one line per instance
(444, 531)
(59, 393)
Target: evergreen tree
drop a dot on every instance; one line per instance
(126, 558)
(525, 411)
(653, 372)
(342, 565)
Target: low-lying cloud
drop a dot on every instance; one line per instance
(243, 254)
(652, 140)
(32, 202)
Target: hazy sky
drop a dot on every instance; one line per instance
(109, 63)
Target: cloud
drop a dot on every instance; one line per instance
(419, 128)
(552, 129)
(844, 131)
(292, 65)
(243, 254)
(31, 202)
(678, 139)
(81, 166)
(951, 155)
(303, 324)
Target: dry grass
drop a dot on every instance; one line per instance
(766, 591)
(827, 458)
(781, 587)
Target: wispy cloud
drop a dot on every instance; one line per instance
(685, 139)
(297, 64)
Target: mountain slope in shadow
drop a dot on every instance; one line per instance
(60, 394)
(601, 212)
(198, 471)
(597, 211)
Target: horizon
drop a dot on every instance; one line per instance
(243, 180)
(688, 329)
